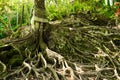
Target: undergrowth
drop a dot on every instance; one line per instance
(11, 11)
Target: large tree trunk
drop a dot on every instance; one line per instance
(39, 21)
(40, 8)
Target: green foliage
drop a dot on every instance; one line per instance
(107, 11)
(11, 11)
(57, 9)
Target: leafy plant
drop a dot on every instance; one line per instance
(11, 10)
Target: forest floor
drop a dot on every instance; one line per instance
(89, 44)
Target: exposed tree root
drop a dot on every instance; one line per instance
(36, 67)
(85, 53)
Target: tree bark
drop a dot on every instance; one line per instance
(39, 21)
(40, 8)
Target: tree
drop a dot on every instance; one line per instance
(39, 20)
(109, 2)
(38, 24)
(32, 52)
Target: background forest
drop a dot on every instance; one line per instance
(18, 13)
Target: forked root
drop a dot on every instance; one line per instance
(55, 55)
